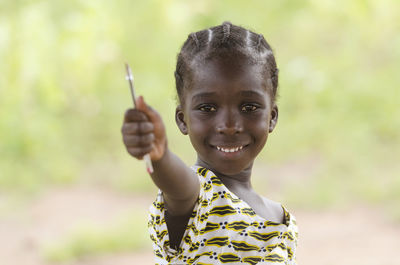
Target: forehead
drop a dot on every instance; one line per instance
(231, 73)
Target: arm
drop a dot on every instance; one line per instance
(144, 132)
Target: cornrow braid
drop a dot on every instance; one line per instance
(259, 41)
(220, 41)
(195, 39)
(266, 55)
(274, 79)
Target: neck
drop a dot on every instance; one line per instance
(236, 183)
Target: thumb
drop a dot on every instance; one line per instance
(141, 105)
(149, 111)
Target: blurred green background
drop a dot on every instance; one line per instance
(63, 94)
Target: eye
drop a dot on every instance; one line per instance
(207, 108)
(249, 107)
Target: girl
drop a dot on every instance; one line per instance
(226, 80)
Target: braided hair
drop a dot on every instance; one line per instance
(219, 41)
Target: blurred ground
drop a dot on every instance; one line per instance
(357, 235)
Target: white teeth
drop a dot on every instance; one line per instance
(229, 150)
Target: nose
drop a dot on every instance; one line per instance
(229, 122)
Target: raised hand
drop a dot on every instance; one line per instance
(143, 132)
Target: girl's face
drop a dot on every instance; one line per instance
(228, 114)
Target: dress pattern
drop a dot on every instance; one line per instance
(223, 229)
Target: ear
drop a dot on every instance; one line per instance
(274, 118)
(180, 120)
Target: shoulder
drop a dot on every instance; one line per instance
(275, 209)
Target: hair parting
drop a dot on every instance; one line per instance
(226, 28)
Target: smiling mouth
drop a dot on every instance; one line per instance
(229, 149)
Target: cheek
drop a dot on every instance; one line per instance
(198, 124)
(264, 126)
(197, 131)
(259, 124)
(261, 130)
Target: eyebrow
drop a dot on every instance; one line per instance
(205, 95)
(250, 93)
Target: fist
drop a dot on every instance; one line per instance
(143, 132)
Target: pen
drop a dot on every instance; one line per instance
(129, 77)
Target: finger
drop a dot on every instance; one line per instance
(137, 128)
(135, 115)
(138, 140)
(139, 152)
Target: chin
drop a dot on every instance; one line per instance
(229, 169)
(225, 164)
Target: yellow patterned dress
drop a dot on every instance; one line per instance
(223, 229)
